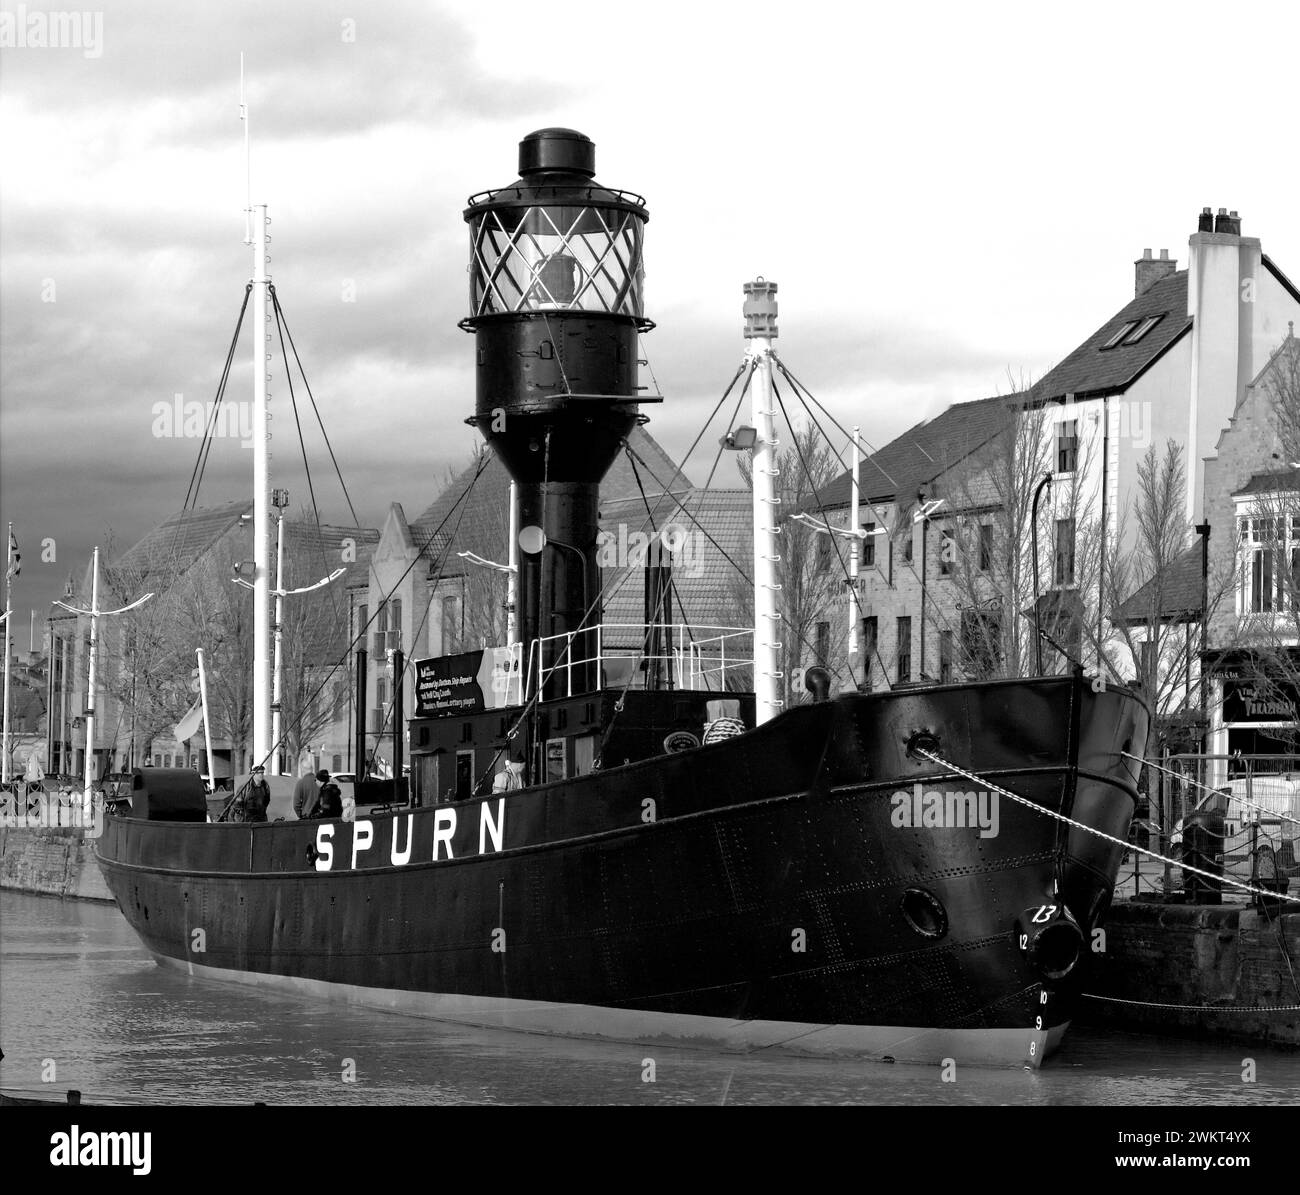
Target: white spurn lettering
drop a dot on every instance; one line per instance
(401, 858)
(324, 848)
(489, 827)
(363, 834)
(444, 827)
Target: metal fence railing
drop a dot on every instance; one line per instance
(1238, 814)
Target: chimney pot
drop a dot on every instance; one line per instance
(1228, 224)
(1146, 254)
(1206, 221)
(1164, 254)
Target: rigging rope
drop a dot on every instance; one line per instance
(275, 299)
(360, 637)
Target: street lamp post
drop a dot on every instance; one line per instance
(95, 614)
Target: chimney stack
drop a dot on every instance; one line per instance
(1149, 271)
(1228, 222)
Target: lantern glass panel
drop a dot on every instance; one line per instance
(556, 258)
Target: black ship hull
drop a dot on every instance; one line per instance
(814, 885)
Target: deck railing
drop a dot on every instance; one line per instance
(688, 656)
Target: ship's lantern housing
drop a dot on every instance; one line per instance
(556, 240)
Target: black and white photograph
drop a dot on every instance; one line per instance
(735, 553)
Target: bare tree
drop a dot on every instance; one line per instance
(1158, 597)
(217, 615)
(988, 538)
(146, 672)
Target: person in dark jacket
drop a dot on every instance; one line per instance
(330, 803)
(306, 793)
(257, 797)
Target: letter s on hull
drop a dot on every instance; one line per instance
(324, 848)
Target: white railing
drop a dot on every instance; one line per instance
(693, 657)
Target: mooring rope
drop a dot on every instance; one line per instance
(1195, 1007)
(1069, 821)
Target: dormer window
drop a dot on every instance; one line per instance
(1121, 334)
(1133, 331)
(1145, 327)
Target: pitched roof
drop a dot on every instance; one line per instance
(1280, 481)
(479, 525)
(312, 553)
(921, 453)
(706, 574)
(1094, 369)
(1181, 592)
(178, 541)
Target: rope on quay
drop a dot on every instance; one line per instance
(1196, 1007)
(1128, 846)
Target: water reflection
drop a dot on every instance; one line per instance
(77, 988)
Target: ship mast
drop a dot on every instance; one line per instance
(760, 331)
(256, 236)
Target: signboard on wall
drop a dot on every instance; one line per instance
(467, 683)
(1253, 699)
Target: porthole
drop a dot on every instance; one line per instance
(925, 913)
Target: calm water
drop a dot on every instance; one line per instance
(76, 987)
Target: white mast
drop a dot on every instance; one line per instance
(760, 330)
(207, 730)
(855, 549)
(280, 499)
(9, 576)
(89, 770)
(261, 474)
(512, 577)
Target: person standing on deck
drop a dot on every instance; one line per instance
(305, 793)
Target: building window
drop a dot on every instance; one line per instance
(1271, 560)
(947, 550)
(869, 633)
(824, 551)
(945, 657)
(450, 625)
(907, 546)
(869, 546)
(823, 639)
(1067, 446)
(464, 775)
(1064, 570)
(904, 649)
(363, 618)
(986, 547)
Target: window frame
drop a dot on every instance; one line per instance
(903, 649)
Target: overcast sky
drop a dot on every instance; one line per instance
(946, 195)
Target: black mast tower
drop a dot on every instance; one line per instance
(556, 306)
